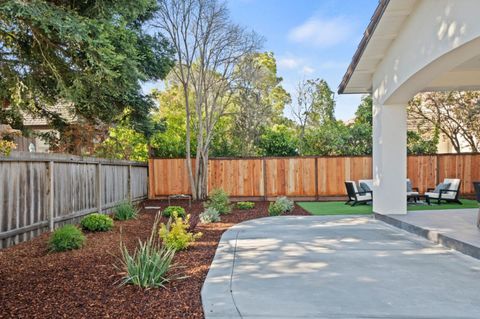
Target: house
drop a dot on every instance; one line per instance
(410, 46)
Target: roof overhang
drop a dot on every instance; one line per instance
(384, 26)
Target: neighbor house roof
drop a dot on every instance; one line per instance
(383, 28)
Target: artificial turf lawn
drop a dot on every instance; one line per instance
(339, 208)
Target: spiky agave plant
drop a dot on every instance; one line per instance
(150, 265)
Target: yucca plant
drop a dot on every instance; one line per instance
(150, 265)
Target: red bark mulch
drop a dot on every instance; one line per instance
(84, 284)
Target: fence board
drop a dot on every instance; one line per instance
(310, 177)
(25, 183)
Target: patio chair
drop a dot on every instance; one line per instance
(412, 192)
(476, 186)
(448, 191)
(354, 196)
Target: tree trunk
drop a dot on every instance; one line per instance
(187, 146)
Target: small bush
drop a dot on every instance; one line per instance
(219, 200)
(210, 215)
(97, 222)
(275, 209)
(150, 265)
(245, 205)
(286, 204)
(168, 212)
(280, 206)
(65, 238)
(125, 211)
(175, 235)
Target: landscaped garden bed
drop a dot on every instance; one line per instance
(36, 283)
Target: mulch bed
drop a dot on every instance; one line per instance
(84, 284)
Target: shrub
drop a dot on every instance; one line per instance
(175, 235)
(168, 212)
(286, 204)
(97, 222)
(65, 238)
(150, 265)
(245, 205)
(275, 209)
(125, 211)
(280, 206)
(210, 215)
(219, 200)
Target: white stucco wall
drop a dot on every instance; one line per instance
(438, 36)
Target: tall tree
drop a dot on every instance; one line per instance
(91, 56)
(315, 105)
(208, 47)
(456, 114)
(259, 100)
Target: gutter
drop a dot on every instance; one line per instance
(367, 35)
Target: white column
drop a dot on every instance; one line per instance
(389, 159)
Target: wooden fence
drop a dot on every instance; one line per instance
(41, 191)
(305, 177)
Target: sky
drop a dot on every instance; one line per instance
(309, 38)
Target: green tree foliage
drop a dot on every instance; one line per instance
(418, 145)
(259, 100)
(170, 143)
(279, 140)
(90, 55)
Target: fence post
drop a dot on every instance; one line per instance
(316, 178)
(51, 197)
(129, 183)
(98, 183)
(264, 164)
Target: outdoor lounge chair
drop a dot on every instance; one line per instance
(366, 185)
(450, 193)
(354, 196)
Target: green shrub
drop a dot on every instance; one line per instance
(125, 211)
(245, 205)
(210, 215)
(150, 265)
(285, 203)
(97, 222)
(275, 209)
(175, 235)
(168, 212)
(219, 200)
(280, 206)
(65, 238)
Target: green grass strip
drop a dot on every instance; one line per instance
(339, 208)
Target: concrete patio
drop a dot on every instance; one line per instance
(454, 229)
(337, 267)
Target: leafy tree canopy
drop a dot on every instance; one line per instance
(90, 55)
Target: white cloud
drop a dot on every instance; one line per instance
(289, 62)
(322, 32)
(308, 70)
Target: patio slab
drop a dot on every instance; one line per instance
(454, 229)
(337, 267)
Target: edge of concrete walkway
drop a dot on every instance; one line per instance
(432, 235)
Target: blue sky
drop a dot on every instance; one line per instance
(310, 38)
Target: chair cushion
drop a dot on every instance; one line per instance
(364, 187)
(367, 196)
(454, 186)
(441, 186)
(409, 186)
(432, 195)
(412, 193)
(369, 183)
